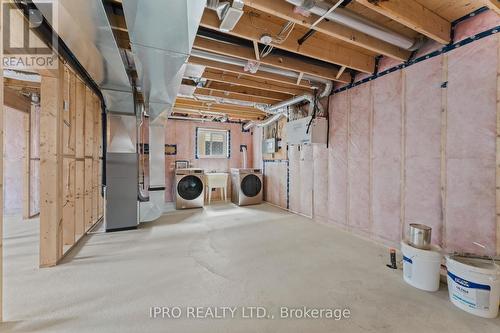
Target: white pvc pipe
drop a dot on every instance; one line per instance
(352, 20)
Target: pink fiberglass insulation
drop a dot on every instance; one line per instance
(275, 183)
(13, 161)
(359, 159)
(320, 179)
(386, 180)
(481, 22)
(423, 146)
(337, 158)
(294, 195)
(306, 180)
(470, 147)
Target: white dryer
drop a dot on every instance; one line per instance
(189, 188)
(247, 186)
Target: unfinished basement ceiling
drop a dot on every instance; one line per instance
(328, 54)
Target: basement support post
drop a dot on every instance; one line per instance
(498, 150)
(51, 169)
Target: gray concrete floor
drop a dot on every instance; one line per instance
(220, 256)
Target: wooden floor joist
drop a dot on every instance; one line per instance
(413, 15)
(251, 27)
(283, 62)
(252, 82)
(239, 70)
(234, 95)
(284, 10)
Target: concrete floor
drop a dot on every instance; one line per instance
(220, 256)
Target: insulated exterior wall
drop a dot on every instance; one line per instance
(422, 202)
(337, 158)
(275, 183)
(433, 125)
(386, 136)
(306, 180)
(359, 159)
(320, 182)
(470, 147)
(294, 170)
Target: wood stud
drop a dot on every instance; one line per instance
(70, 162)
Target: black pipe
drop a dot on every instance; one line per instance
(46, 33)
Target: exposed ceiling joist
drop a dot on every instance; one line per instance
(413, 15)
(234, 95)
(284, 62)
(329, 51)
(194, 111)
(494, 5)
(252, 82)
(285, 11)
(224, 87)
(13, 99)
(238, 70)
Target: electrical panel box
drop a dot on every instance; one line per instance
(269, 146)
(306, 131)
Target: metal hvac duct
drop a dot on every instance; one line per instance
(352, 20)
(162, 35)
(84, 27)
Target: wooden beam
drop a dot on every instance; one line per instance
(341, 70)
(214, 105)
(239, 70)
(329, 51)
(494, 5)
(256, 50)
(252, 82)
(233, 95)
(284, 62)
(285, 11)
(196, 111)
(13, 99)
(413, 15)
(51, 170)
(69, 170)
(248, 91)
(80, 157)
(302, 74)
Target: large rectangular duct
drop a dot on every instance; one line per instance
(162, 35)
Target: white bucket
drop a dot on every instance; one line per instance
(421, 267)
(474, 285)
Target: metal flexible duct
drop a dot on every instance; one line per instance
(352, 20)
(279, 110)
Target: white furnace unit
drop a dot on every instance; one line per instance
(307, 130)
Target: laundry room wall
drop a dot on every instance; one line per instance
(183, 134)
(417, 145)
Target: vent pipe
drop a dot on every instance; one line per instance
(352, 20)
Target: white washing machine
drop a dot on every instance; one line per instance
(247, 186)
(189, 188)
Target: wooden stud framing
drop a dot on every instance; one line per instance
(51, 170)
(89, 140)
(234, 95)
(413, 15)
(79, 159)
(69, 173)
(27, 165)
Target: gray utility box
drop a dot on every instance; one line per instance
(297, 133)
